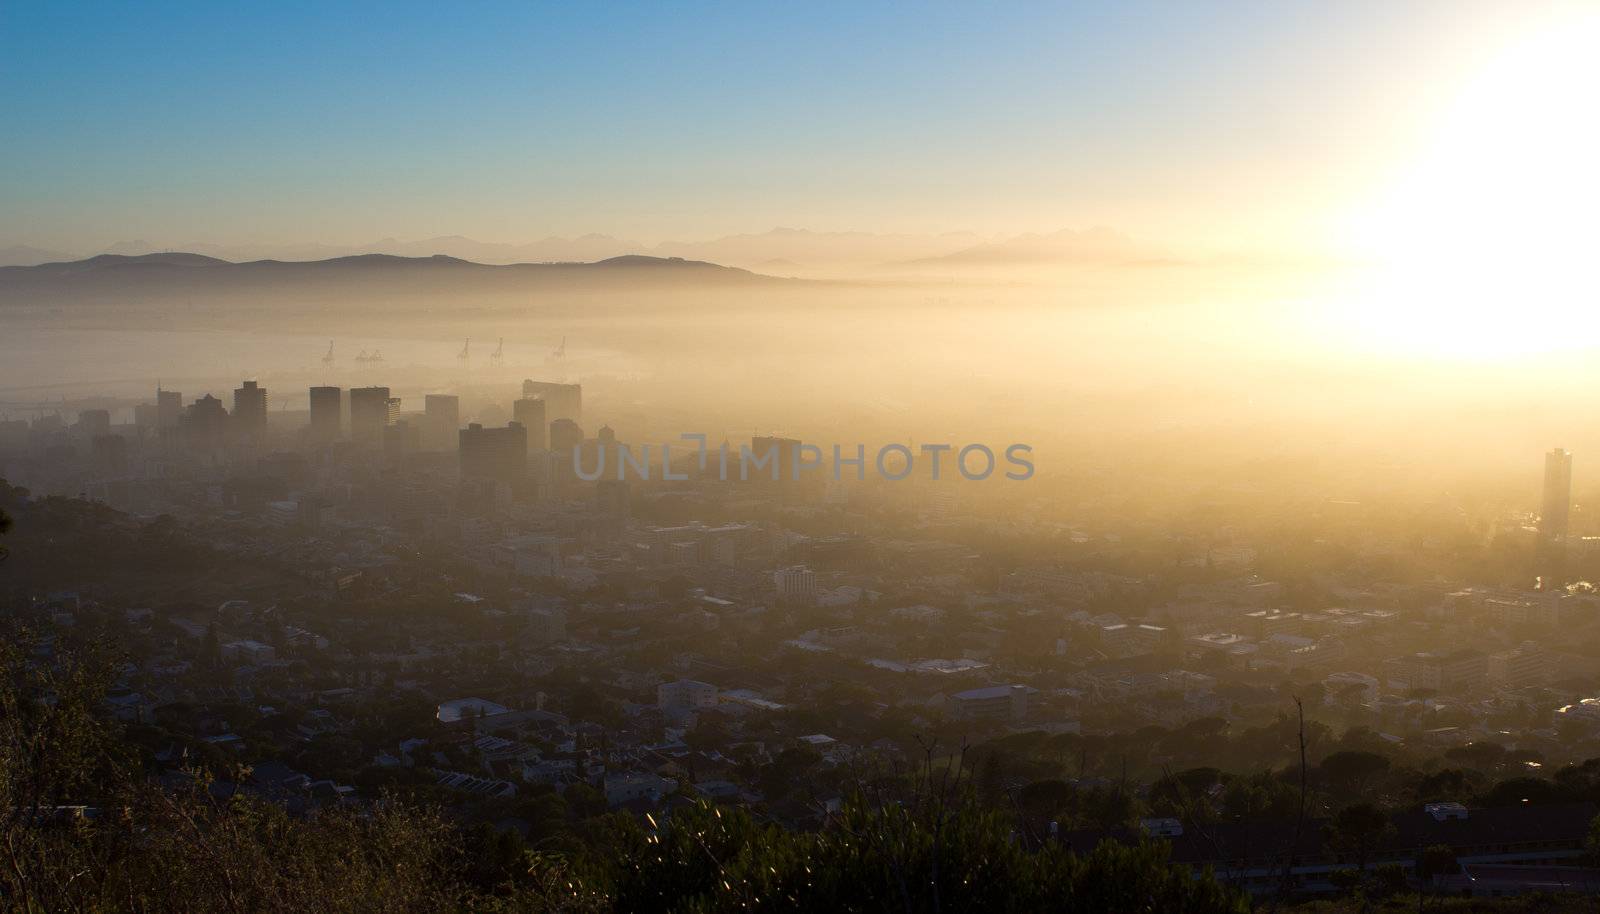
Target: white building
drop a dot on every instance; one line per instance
(797, 584)
(1002, 702)
(460, 709)
(686, 695)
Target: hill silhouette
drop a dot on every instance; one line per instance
(117, 278)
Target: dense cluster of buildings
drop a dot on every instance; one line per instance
(654, 642)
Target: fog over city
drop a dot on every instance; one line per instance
(1097, 457)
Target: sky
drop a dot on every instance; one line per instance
(1238, 125)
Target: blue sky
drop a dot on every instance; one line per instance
(1235, 121)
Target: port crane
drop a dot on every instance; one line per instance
(560, 351)
(498, 356)
(328, 359)
(466, 351)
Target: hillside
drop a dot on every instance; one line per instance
(114, 277)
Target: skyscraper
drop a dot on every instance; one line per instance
(250, 408)
(565, 439)
(326, 421)
(500, 454)
(371, 409)
(530, 411)
(565, 435)
(1553, 511)
(169, 408)
(441, 421)
(204, 423)
(562, 401)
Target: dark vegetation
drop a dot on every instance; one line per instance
(87, 826)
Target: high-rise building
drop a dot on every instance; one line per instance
(1554, 510)
(371, 410)
(326, 412)
(530, 411)
(204, 422)
(250, 408)
(500, 454)
(441, 421)
(796, 584)
(169, 408)
(562, 401)
(566, 437)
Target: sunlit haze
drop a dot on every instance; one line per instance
(1073, 456)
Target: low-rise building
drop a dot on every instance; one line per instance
(1002, 702)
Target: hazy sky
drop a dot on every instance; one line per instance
(1225, 124)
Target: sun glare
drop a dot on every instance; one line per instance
(1485, 247)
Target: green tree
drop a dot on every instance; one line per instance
(1357, 832)
(1351, 772)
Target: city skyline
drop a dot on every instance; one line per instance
(1092, 456)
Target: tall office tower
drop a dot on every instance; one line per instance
(530, 412)
(325, 414)
(371, 410)
(500, 454)
(169, 408)
(250, 408)
(1557, 495)
(204, 422)
(441, 420)
(94, 422)
(566, 437)
(562, 401)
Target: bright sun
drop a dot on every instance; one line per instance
(1488, 245)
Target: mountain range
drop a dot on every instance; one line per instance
(120, 278)
(799, 252)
